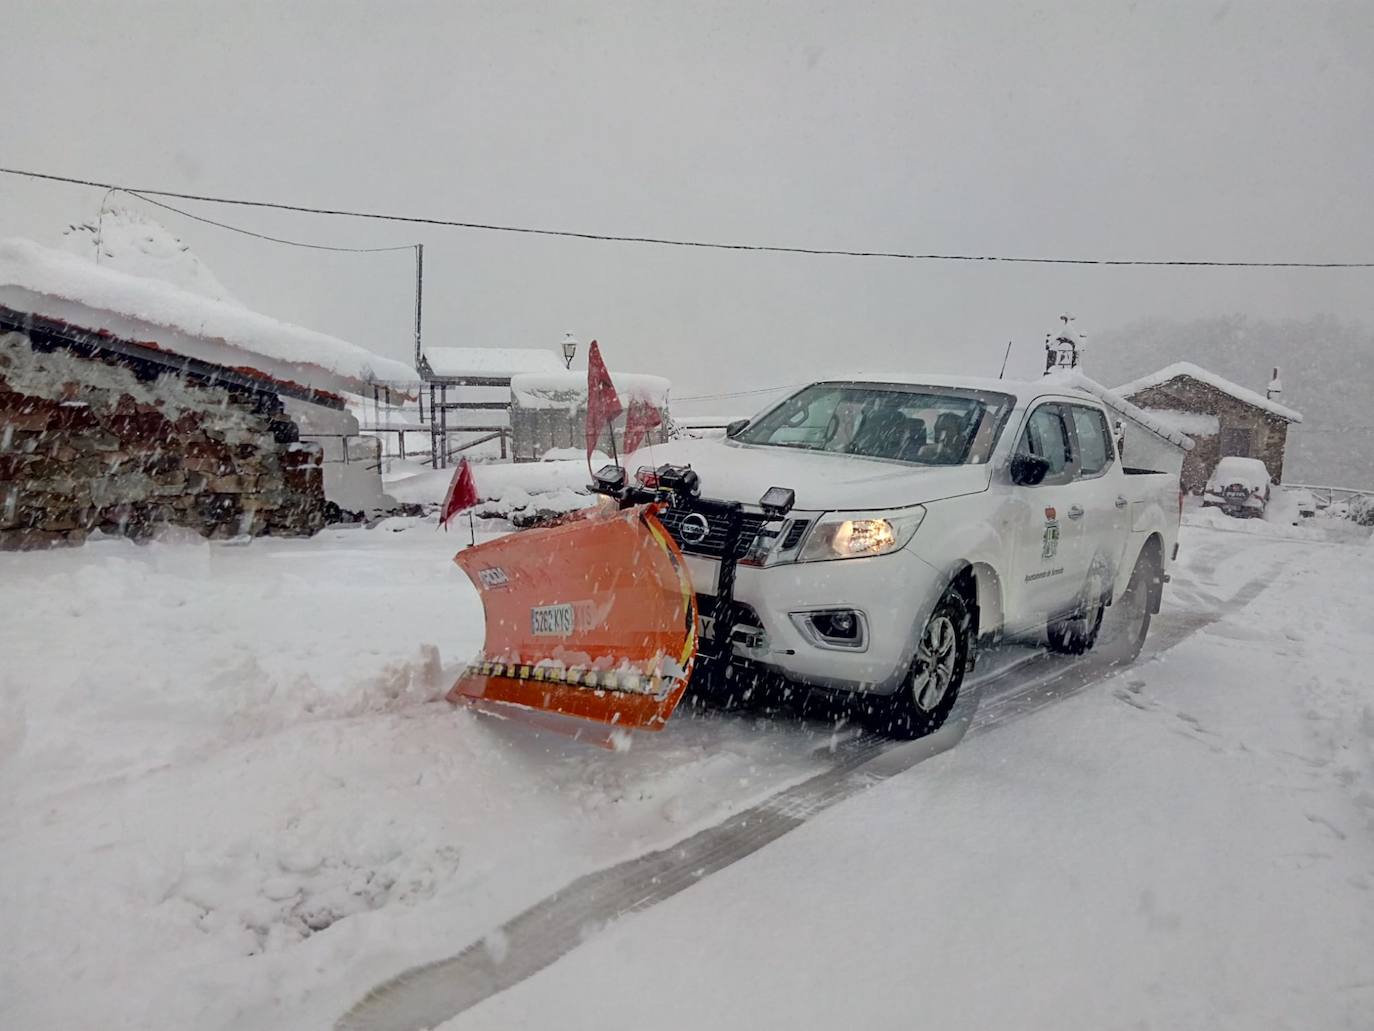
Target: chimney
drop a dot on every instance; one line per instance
(1275, 386)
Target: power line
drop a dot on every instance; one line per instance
(701, 244)
(740, 393)
(264, 236)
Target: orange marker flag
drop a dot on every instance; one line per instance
(603, 404)
(641, 418)
(461, 495)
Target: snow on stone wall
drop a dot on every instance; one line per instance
(87, 445)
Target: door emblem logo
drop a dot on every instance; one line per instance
(1050, 543)
(694, 529)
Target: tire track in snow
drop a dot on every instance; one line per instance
(432, 993)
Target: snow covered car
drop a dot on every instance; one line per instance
(920, 520)
(1239, 487)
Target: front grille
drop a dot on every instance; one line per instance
(714, 543)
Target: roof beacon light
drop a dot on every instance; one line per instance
(682, 480)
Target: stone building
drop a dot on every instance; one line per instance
(1221, 417)
(127, 403)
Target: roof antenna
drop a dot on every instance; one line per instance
(1004, 361)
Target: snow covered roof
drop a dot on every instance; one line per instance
(129, 241)
(37, 270)
(1211, 379)
(493, 362)
(555, 389)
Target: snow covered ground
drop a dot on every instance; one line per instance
(232, 797)
(1189, 845)
(552, 485)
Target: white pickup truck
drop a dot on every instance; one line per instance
(912, 522)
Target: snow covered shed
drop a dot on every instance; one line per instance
(549, 410)
(469, 393)
(1222, 417)
(129, 401)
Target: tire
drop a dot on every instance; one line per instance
(1125, 630)
(1077, 633)
(930, 688)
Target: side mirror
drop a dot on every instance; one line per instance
(1028, 470)
(735, 428)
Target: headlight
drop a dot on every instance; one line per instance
(837, 536)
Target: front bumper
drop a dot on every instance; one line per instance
(894, 593)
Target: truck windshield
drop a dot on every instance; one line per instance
(915, 424)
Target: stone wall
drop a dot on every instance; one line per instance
(89, 444)
(1268, 434)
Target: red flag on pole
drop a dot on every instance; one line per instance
(462, 493)
(603, 404)
(639, 420)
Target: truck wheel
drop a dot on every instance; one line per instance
(924, 700)
(1078, 633)
(1124, 634)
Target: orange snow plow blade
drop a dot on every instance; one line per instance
(595, 618)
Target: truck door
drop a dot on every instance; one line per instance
(1105, 521)
(1048, 570)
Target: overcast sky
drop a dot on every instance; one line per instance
(1186, 130)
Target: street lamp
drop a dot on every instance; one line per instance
(569, 349)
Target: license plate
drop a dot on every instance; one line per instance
(706, 628)
(551, 620)
(703, 572)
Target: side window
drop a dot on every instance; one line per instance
(1047, 437)
(1094, 440)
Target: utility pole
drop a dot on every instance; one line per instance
(419, 296)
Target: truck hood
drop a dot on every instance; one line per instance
(823, 481)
